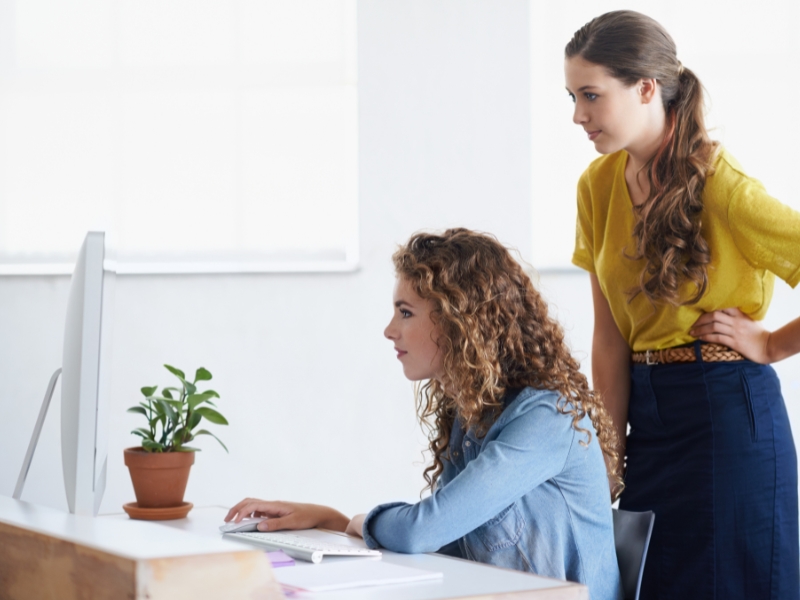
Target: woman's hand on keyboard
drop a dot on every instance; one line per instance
(288, 515)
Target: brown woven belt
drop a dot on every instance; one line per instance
(709, 352)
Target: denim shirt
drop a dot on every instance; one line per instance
(527, 496)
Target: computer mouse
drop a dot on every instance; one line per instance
(250, 524)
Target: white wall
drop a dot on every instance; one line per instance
(319, 409)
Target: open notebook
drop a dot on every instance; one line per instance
(342, 575)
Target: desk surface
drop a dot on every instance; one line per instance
(461, 579)
(137, 540)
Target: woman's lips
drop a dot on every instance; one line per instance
(593, 134)
(400, 353)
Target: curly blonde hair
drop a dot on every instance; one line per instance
(495, 335)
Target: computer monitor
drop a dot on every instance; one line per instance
(85, 382)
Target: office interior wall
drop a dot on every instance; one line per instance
(319, 408)
(318, 405)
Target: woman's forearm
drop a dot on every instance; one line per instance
(610, 369)
(784, 342)
(330, 518)
(611, 379)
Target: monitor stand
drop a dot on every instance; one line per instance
(37, 430)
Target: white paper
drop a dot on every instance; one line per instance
(350, 574)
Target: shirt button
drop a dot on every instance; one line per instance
(467, 444)
(455, 453)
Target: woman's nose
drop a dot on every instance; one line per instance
(578, 115)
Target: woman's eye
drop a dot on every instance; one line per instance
(590, 97)
(404, 313)
(571, 97)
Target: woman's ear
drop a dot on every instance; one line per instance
(648, 89)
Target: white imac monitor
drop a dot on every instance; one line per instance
(85, 382)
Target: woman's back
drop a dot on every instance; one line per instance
(561, 524)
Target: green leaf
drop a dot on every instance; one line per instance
(196, 399)
(149, 391)
(211, 415)
(140, 434)
(202, 374)
(175, 371)
(205, 432)
(181, 436)
(194, 420)
(190, 387)
(156, 420)
(211, 394)
(151, 446)
(166, 393)
(187, 449)
(137, 409)
(176, 404)
(168, 410)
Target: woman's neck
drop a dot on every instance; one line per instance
(640, 153)
(647, 145)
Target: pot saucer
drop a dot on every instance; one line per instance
(157, 514)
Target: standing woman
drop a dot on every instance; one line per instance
(683, 248)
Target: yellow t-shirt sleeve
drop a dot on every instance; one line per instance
(583, 256)
(766, 231)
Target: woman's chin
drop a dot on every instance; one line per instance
(416, 375)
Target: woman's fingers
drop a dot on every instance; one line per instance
(733, 328)
(712, 328)
(253, 506)
(278, 523)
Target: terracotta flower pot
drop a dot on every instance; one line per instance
(159, 478)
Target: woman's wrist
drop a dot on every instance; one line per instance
(356, 525)
(332, 519)
(784, 342)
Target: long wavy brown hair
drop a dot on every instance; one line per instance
(494, 335)
(632, 46)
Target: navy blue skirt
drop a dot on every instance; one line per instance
(710, 451)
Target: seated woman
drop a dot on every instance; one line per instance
(518, 439)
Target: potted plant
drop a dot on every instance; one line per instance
(160, 466)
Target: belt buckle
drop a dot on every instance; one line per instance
(648, 360)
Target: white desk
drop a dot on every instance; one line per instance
(462, 578)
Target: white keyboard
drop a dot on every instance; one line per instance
(299, 547)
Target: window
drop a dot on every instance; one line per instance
(202, 135)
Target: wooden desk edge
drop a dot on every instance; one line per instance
(37, 565)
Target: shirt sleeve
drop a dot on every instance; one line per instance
(532, 448)
(583, 256)
(766, 231)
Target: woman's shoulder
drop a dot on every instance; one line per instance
(726, 182)
(603, 168)
(529, 400)
(727, 174)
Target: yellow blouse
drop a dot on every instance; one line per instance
(751, 236)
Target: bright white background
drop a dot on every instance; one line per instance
(744, 53)
(318, 405)
(195, 132)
